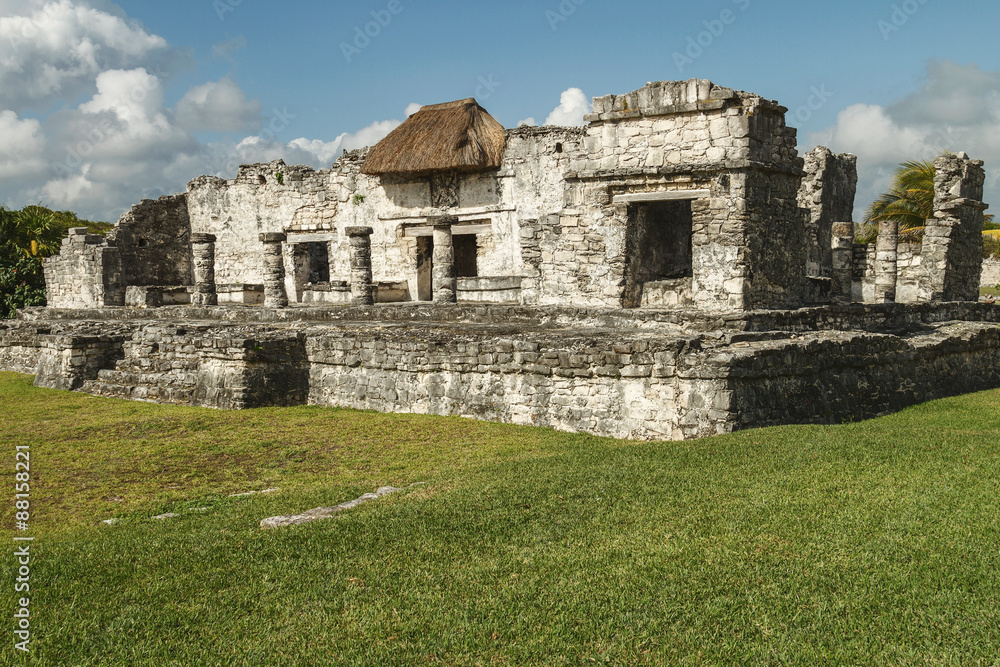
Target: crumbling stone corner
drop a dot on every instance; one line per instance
(87, 272)
(445, 289)
(827, 191)
(952, 250)
(203, 256)
(362, 289)
(275, 295)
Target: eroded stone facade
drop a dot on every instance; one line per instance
(671, 270)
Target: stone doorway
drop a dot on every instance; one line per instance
(312, 265)
(658, 250)
(425, 268)
(466, 248)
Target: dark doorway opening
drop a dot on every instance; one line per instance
(466, 249)
(657, 246)
(425, 268)
(312, 260)
(466, 255)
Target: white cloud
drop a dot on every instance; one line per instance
(21, 147)
(220, 106)
(527, 122)
(573, 104)
(412, 108)
(957, 109)
(54, 50)
(226, 49)
(323, 153)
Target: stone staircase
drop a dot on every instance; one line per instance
(159, 365)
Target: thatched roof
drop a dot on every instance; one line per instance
(456, 136)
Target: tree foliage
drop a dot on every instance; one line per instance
(910, 203)
(27, 237)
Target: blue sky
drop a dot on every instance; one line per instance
(104, 103)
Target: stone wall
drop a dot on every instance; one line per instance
(953, 242)
(827, 191)
(618, 373)
(837, 377)
(153, 241)
(87, 273)
(556, 213)
(909, 272)
(991, 273)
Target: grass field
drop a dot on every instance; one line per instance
(867, 543)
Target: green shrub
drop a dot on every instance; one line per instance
(991, 247)
(22, 282)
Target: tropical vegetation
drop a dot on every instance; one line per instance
(910, 203)
(27, 236)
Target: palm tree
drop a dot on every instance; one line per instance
(910, 202)
(33, 230)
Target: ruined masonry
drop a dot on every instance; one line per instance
(674, 269)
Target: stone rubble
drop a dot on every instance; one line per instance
(327, 512)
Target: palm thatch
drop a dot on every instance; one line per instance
(456, 136)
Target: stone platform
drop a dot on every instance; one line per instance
(634, 373)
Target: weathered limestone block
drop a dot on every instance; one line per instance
(953, 242)
(203, 256)
(87, 272)
(67, 361)
(885, 261)
(153, 238)
(360, 239)
(444, 260)
(827, 192)
(275, 295)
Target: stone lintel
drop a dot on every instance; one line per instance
(669, 195)
(442, 220)
(273, 237)
(359, 231)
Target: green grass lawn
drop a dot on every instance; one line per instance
(868, 543)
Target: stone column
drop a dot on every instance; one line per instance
(275, 295)
(203, 254)
(886, 250)
(362, 290)
(444, 260)
(843, 262)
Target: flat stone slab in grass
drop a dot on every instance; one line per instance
(327, 512)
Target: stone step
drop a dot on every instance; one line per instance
(138, 379)
(155, 365)
(154, 394)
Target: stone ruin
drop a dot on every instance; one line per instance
(673, 269)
